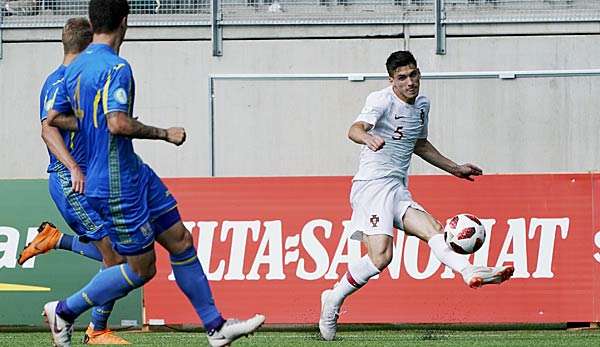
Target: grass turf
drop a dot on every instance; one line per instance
(370, 336)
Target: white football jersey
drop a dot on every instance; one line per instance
(400, 125)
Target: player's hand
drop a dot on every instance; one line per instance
(468, 171)
(176, 136)
(374, 142)
(77, 180)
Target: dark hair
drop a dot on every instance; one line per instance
(76, 35)
(106, 15)
(399, 59)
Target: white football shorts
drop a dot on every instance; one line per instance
(378, 206)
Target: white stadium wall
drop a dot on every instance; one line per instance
(273, 128)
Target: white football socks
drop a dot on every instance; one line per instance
(446, 255)
(357, 276)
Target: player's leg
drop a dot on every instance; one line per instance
(97, 332)
(192, 281)
(49, 238)
(378, 257)
(372, 221)
(189, 275)
(132, 236)
(421, 224)
(82, 218)
(359, 272)
(91, 241)
(108, 285)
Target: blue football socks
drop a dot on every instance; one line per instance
(193, 282)
(100, 315)
(74, 244)
(107, 286)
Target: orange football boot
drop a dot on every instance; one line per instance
(46, 239)
(102, 337)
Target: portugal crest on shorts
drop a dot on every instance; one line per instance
(374, 220)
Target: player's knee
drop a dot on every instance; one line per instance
(109, 256)
(438, 227)
(187, 240)
(146, 273)
(182, 241)
(434, 229)
(381, 260)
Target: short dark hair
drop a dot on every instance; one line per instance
(76, 35)
(399, 59)
(106, 15)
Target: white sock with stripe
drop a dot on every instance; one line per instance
(358, 275)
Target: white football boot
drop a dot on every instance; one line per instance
(233, 329)
(60, 328)
(477, 276)
(329, 316)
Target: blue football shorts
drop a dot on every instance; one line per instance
(136, 216)
(74, 208)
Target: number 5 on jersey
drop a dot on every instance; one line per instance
(398, 134)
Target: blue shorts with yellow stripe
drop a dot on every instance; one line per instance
(74, 207)
(134, 220)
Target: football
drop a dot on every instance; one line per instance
(464, 233)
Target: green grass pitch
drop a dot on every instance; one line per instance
(419, 335)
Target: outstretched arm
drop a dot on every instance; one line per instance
(62, 121)
(57, 146)
(358, 133)
(119, 123)
(427, 151)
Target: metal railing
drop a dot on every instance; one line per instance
(221, 13)
(53, 13)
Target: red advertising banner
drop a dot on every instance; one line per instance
(595, 202)
(271, 245)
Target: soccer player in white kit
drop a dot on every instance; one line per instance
(392, 126)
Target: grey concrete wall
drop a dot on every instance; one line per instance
(298, 127)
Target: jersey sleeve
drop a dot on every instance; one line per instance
(374, 108)
(43, 100)
(117, 92)
(55, 98)
(424, 114)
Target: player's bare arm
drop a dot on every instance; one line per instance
(119, 123)
(427, 151)
(62, 121)
(358, 133)
(57, 147)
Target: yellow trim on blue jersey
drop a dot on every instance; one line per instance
(105, 95)
(72, 142)
(78, 111)
(96, 102)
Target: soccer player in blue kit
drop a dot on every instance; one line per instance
(66, 182)
(136, 206)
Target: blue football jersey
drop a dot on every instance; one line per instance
(72, 140)
(97, 83)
